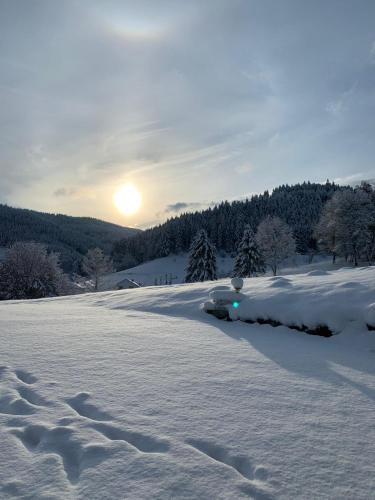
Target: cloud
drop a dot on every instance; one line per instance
(182, 206)
(170, 96)
(335, 108)
(244, 169)
(64, 192)
(356, 178)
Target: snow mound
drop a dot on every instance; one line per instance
(280, 282)
(332, 300)
(308, 302)
(370, 316)
(317, 272)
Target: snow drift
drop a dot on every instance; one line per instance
(140, 394)
(310, 302)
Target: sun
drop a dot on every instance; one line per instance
(127, 199)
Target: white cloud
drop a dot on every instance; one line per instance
(354, 179)
(335, 108)
(244, 169)
(372, 52)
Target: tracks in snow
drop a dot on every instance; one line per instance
(70, 436)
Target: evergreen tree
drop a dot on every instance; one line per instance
(249, 261)
(300, 206)
(202, 259)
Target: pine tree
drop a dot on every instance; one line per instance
(202, 259)
(249, 261)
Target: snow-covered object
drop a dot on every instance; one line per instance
(225, 301)
(237, 283)
(370, 316)
(229, 300)
(333, 299)
(223, 297)
(136, 394)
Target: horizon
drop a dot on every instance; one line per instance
(185, 210)
(186, 104)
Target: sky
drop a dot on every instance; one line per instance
(193, 101)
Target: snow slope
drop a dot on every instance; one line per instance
(175, 265)
(139, 394)
(157, 269)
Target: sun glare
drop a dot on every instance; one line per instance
(127, 199)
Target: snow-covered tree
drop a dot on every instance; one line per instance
(202, 259)
(326, 230)
(249, 261)
(347, 225)
(29, 272)
(95, 264)
(276, 242)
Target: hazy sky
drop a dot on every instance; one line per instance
(192, 101)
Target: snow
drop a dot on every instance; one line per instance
(140, 394)
(175, 265)
(160, 270)
(334, 300)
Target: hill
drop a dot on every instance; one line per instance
(165, 270)
(70, 236)
(140, 394)
(299, 205)
(172, 269)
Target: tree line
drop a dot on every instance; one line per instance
(270, 246)
(346, 228)
(300, 206)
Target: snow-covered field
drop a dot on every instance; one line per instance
(157, 271)
(139, 394)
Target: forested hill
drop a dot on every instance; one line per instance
(299, 205)
(70, 236)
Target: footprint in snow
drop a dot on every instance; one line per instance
(21, 399)
(142, 442)
(10, 404)
(256, 476)
(31, 396)
(63, 441)
(25, 377)
(82, 407)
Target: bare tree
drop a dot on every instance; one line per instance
(95, 264)
(30, 272)
(276, 242)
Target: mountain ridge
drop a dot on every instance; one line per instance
(70, 236)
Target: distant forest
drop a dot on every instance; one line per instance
(71, 237)
(300, 206)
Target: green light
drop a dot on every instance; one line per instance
(235, 304)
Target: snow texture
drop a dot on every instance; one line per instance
(334, 300)
(139, 394)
